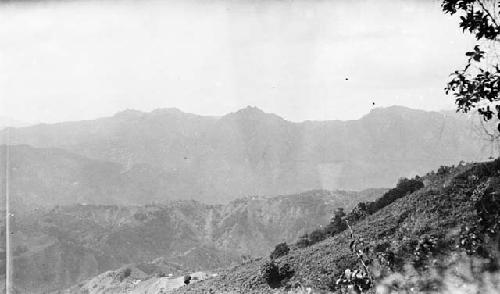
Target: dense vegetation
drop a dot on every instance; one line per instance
(338, 222)
(443, 236)
(280, 250)
(477, 85)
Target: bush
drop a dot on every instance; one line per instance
(303, 241)
(317, 236)
(280, 250)
(360, 211)
(409, 186)
(286, 271)
(275, 275)
(443, 170)
(124, 273)
(356, 280)
(404, 187)
(270, 272)
(337, 224)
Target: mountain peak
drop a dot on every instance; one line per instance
(251, 110)
(395, 111)
(129, 113)
(253, 113)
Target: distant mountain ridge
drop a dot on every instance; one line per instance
(250, 152)
(6, 122)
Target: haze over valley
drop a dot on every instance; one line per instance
(140, 158)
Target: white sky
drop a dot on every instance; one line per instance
(82, 60)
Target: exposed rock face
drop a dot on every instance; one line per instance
(59, 247)
(255, 153)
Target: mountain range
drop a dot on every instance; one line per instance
(6, 122)
(174, 192)
(137, 158)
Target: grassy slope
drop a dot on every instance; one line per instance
(439, 209)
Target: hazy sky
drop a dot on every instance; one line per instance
(85, 59)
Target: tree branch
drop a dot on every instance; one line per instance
(488, 13)
(360, 257)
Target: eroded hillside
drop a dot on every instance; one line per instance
(441, 211)
(56, 248)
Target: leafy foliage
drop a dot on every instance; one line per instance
(280, 250)
(443, 170)
(316, 236)
(337, 224)
(474, 239)
(357, 281)
(286, 271)
(274, 275)
(478, 84)
(404, 187)
(271, 273)
(426, 247)
(123, 273)
(303, 241)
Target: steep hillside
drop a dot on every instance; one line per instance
(56, 248)
(251, 152)
(424, 231)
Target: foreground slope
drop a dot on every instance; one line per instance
(440, 209)
(57, 247)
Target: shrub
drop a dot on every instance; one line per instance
(409, 186)
(303, 241)
(358, 281)
(404, 186)
(443, 170)
(286, 271)
(270, 272)
(360, 211)
(426, 248)
(280, 250)
(337, 224)
(124, 273)
(275, 275)
(317, 236)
